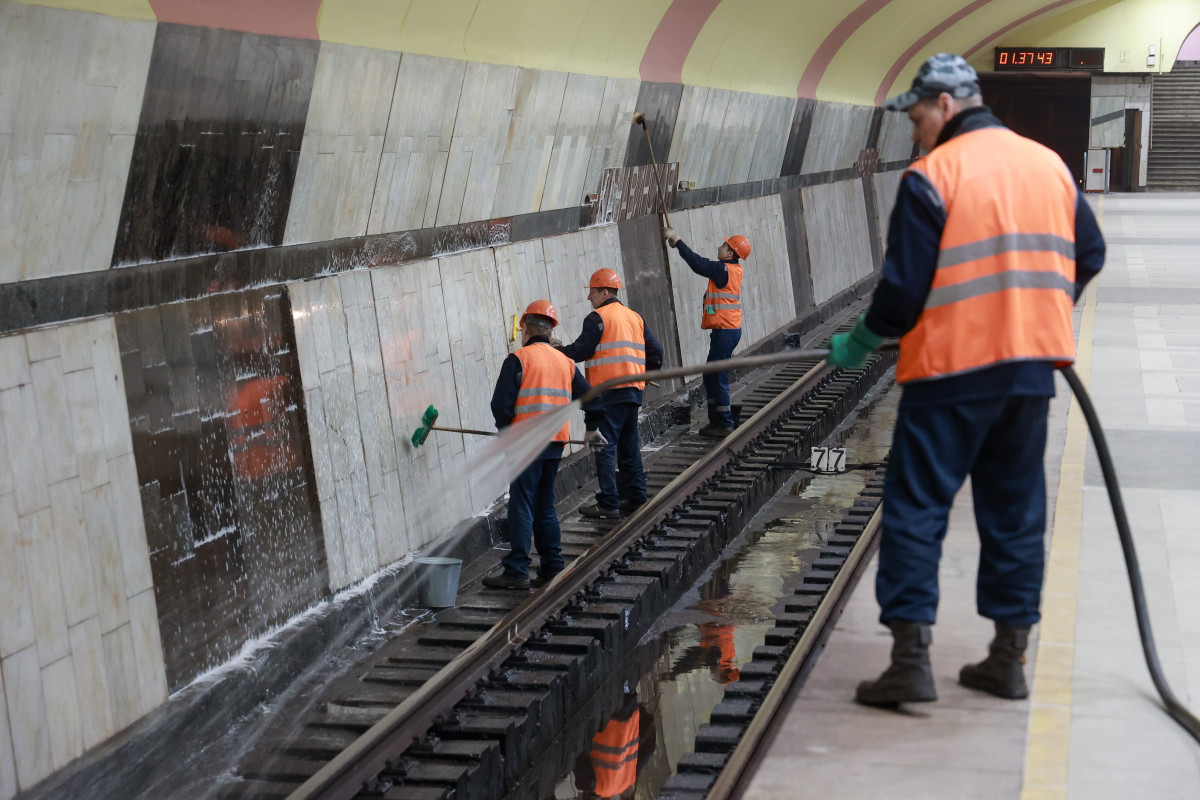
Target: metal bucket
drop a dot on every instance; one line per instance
(437, 581)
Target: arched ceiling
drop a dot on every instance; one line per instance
(856, 52)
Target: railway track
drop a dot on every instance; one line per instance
(467, 712)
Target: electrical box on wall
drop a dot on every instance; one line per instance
(1151, 55)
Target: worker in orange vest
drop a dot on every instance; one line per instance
(618, 753)
(616, 343)
(989, 246)
(722, 315)
(535, 379)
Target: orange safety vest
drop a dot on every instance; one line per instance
(723, 307)
(546, 376)
(622, 348)
(720, 636)
(614, 755)
(1005, 280)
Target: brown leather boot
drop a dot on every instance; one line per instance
(909, 679)
(1002, 673)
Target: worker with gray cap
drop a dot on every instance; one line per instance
(989, 245)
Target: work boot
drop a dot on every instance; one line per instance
(597, 511)
(542, 578)
(714, 431)
(1002, 673)
(630, 506)
(503, 581)
(909, 679)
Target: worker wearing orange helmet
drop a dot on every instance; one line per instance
(534, 379)
(616, 343)
(722, 315)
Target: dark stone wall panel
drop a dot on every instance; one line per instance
(660, 103)
(220, 440)
(797, 245)
(217, 143)
(648, 281)
(793, 155)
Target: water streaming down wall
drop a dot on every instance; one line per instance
(194, 449)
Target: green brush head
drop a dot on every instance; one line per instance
(429, 417)
(419, 436)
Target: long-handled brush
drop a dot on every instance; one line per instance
(430, 417)
(640, 119)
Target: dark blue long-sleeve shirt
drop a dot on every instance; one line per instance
(584, 347)
(508, 385)
(715, 271)
(914, 238)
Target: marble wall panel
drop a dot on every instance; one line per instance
(350, 427)
(726, 137)
(415, 342)
(648, 280)
(417, 145)
(837, 136)
(796, 234)
(528, 144)
(71, 89)
(895, 137)
(481, 129)
(217, 143)
(839, 242)
(885, 186)
(479, 338)
(798, 135)
(660, 103)
(1107, 122)
(591, 136)
(222, 465)
(73, 549)
(343, 143)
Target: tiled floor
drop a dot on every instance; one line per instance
(1093, 729)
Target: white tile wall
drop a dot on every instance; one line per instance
(70, 96)
(839, 247)
(343, 143)
(79, 639)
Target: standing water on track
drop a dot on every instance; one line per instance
(698, 648)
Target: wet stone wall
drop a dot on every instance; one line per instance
(223, 464)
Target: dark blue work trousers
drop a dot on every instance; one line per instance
(619, 464)
(716, 384)
(1000, 442)
(532, 517)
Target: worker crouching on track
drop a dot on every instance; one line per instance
(722, 315)
(616, 343)
(534, 379)
(989, 245)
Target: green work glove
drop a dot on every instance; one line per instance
(850, 350)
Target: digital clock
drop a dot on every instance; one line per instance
(1024, 58)
(1036, 58)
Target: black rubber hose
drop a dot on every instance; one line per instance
(1176, 709)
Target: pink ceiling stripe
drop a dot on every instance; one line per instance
(833, 42)
(1016, 24)
(921, 44)
(673, 40)
(293, 18)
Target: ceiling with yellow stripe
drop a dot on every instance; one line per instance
(854, 52)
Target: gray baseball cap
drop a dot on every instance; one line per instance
(945, 72)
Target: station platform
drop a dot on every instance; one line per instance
(1093, 727)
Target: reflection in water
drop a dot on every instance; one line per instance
(698, 648)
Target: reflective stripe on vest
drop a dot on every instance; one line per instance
(622, 348)
(1005, 279)
(546, 376)
(723, 307)
(614, 756)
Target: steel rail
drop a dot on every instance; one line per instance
(358, 765)
(739, 769)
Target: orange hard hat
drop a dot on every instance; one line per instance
(541, 308)
(605, 279)
(740, 245)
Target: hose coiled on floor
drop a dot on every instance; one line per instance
(1174, 708)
